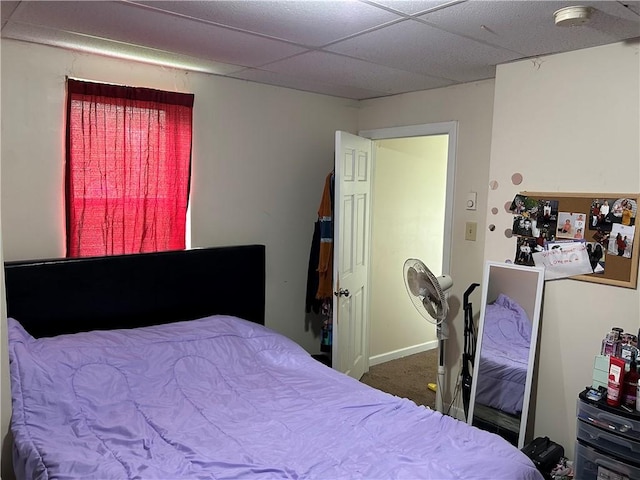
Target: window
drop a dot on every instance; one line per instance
(128, 167)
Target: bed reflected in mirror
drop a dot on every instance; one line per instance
(506, 351)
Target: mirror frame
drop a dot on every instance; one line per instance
(499, 278)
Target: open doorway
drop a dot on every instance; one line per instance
(412, 209)
(412, 197)
(407, 221)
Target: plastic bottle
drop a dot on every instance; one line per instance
(616, 381)
(608, 345)
(638, 387)
(638, 392)
(617, 332)
(629, 395)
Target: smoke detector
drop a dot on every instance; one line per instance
(572, 16)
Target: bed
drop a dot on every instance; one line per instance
(159, 366)
(504, 357)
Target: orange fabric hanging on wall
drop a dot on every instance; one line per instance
(325, 262)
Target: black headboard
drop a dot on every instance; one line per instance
(51, 297)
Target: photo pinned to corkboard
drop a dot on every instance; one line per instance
(571, 225)
(607, 212)
(604, 224)
(621, 240)
(547, 219)
(597, 257)
(525, 248)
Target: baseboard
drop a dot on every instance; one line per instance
(403, 352)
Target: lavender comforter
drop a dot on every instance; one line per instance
(224, 398)
(504, 356)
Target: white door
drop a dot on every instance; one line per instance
(351, 254)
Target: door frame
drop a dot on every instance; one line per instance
(423, 130)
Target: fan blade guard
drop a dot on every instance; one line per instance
(426, 290)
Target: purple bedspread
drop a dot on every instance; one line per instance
(224, 398)
(504, 356)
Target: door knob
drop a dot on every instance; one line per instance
(342, 293)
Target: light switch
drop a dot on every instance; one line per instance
(470, 231)
(472, 199)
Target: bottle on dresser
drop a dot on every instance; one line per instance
(638, 379)
(610, 343)
(630, 389)
(615, 386)
(638, 397)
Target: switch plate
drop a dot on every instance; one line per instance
(470, 231)
(472, 200)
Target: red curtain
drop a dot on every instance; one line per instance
(128, 167)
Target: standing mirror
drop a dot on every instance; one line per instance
(506, 350)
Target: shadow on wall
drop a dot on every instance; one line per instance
(313, 321)
(6, 472)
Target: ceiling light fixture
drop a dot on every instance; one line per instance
(572, 16)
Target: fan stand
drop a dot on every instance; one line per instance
(440, 378)
(427, 295)
(438, 387)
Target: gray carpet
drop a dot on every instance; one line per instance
(407, 377)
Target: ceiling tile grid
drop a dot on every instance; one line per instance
(531, 31)
(420, 48)
(338, 69)
(306, 83)
(348, 48)
(310, 23)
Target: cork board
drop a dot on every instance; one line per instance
(620, 265)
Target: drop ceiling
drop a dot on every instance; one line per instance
(352, 49)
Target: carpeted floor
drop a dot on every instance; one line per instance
(407, 377)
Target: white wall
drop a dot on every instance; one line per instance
(567, 123)
(408, 198)
(260, 157)
(471, 105)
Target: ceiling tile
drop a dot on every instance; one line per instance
(89, 44)
(305, 84)
(340, 70)
(416, 47)
(633, 6)
(6, 9)
(137, 26)
(532, 31)
(295, 21)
